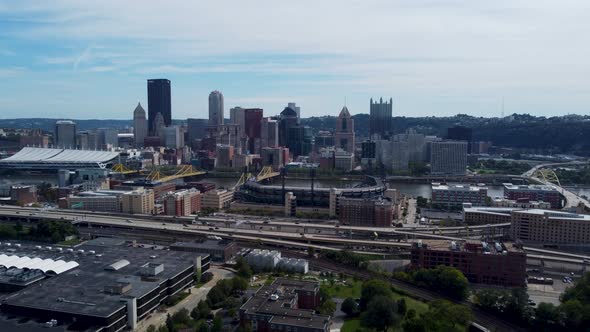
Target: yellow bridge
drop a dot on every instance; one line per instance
(265, 173)
(181, 172)
(121, 169)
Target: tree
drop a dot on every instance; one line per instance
(414, 325)
(244, 270)
(202, 310)
(546, 318)
(381, 313)
(217, 324)
(181, 317)
(402, 307)
(453, 282)
(350, 307)
(327, 308)
(372, 288)
(202, 327)
(215, 297)
(151, 328)
(170, 324)
(239, 284)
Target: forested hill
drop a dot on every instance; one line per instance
(565, 134)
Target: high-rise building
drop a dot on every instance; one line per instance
(140, 125)
(296, 108)
(65, 134)
(236, 116)
(393, 154)
(197, 129)
(108, 138)
(252, 120)
(380, 122)
(345, 131)
(173, 138)
(182, 202)
(269, 132)
(140, 201)
(159, 101)
(215, 108)
(461, 133)
(276, 157)
(288, 119)
(448, 157)
(300, 140)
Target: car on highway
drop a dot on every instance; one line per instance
(129, 221)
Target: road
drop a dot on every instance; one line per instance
(158, 318)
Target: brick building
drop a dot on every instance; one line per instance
(488, 263)
(528, 193)
(551, 227)
(365, 212)
(457, 194)
(285, 305)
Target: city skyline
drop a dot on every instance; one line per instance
(82, 60)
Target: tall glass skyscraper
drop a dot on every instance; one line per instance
(159, 101)
(381, 118)
(216, 108)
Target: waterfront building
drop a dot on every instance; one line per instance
(448, 158)
(457, 194)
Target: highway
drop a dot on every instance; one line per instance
(265, 236)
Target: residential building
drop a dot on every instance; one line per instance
(376, 212)
(344, 134)
(139, 201)
(532, 192)
(550, 227)
(448, 157)
(215, 108)
(159, 101)
(218, 199)
(182, 203)
(380, 121)
(65, 134)
(501, 264)
(457, 194)
(140, 126)
(285, 305)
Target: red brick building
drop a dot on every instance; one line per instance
(365, 212)
(488, 263)
(528, 193)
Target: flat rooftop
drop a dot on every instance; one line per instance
(468, 246)
(458, 187)
(552, 214)
(528, 187)
(81, 290)
(202, 245)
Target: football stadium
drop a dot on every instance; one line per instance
(30, 158)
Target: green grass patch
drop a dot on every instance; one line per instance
(351, 325)
(352, 288)
(71, 242)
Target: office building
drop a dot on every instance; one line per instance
(269, 133)
(457, 194)
(287, 119)
(107, 138)
(344, 134)
(215, 108)
(448, 158)
(323, 140)
(237, 117)
(225, 156)
(139, 201)
(416, 145)
(461, 133)
(300, 140)
(380, 121)
(550, 227)
(158, 127)
(218, 250)
(159, 101)
(296, 108)
(217, 199)
(23, 194)
(35, 138)
(173, 138)
(182, 202)
(343, 160)
(501, 264)
(376, 212)
(102, 202)
(65, 134)
(285, 305)
(277, 157)
(197, 129)
(533, 193)
(252, 128)
(140, 125)
(393, 154)
(503, 202)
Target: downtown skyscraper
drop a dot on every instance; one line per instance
(159, 101)
(215, 108)
(380, 122)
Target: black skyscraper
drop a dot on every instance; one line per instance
(461, 133)
(159, 102)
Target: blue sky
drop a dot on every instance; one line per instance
(91, 59)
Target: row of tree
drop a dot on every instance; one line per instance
(44, 231)
(443, 279)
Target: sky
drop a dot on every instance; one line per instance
(91, 59)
